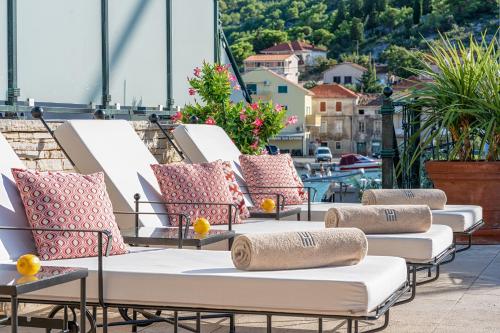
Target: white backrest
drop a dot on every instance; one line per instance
(113, 147)
(208, 143)
(12, 243)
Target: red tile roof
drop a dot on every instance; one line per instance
(333, 90)
(268, 57)
(290, 47)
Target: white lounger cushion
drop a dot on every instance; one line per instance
(12, 243)
(208, 279)
(458, 217)
(114, 148)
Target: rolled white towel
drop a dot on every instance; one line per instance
(386, 219)
(297, 250)
(434, 198)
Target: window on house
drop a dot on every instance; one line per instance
(282, 89)
(336, 79)
(338, 106)
(338, 126)
(324, 127)
(308, 110)
(377, 127)
(258, 64)
(361, 111)
(347, 79)
(322, 106)
(252, 88)
(361, 127)
(338, 145)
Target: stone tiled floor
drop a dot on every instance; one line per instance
(466, 298)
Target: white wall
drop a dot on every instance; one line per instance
(342, 70)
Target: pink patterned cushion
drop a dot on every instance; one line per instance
(235, 190)
(67, 201)
(269, 170)
(296, 178)
(193, 184)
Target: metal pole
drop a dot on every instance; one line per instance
(217, 58)
(387, 152)
(13, 92)
(106, 98)
(170, 98)
(415, 128)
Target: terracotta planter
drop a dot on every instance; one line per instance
(476, 183)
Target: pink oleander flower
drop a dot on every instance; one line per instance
(243, 116)
(220, 68)
(256, 131)
(197, 72)
(258, 122)
(292, 120)
(254, 106)
(237, 87)
(278, 108)
(255, 145)
(231, 77)
(192, 91)
(176, 116)
(210, 121)
(227, 66)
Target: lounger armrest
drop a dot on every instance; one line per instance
(100, 233)
(181, 217)
(231, 206)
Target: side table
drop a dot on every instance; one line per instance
(12, 285)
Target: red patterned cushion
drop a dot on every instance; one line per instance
(269, 170)
(67, 201)
(296, 178)
(235, 190)
(195, 183)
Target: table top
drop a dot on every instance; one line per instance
(12, 283)
(170, 236)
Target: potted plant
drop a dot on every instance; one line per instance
(461, 105)
(250, 126)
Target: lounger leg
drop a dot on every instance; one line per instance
(104, 319)
(134, 317)
(298, 216)
(176, 321)
(320, 325)
(269, 324)
(65, 317)
(412, 280)
(94, 312)
(356, 326)
(232, 324)
(198, 322)
(349, 325)
(83, 305)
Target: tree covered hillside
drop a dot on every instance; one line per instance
(353, 26)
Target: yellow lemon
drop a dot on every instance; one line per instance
(268, 205)
(28, 264)
(201, 226)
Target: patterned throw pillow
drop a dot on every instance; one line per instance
(298, 182)
(67, 201)
(195, 184)
(269, 170)
(235, 190)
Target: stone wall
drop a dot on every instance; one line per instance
(39, 151)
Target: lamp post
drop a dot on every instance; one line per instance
(387, 152)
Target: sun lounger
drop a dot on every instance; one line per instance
(105, 146)
(207, 143)
(204, 281)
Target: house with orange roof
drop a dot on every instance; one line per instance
(286, 65)
(267, 85)
(344, 73)
(336, 105)
(307, 53)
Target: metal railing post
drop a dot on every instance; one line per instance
(13, 92)
(106, 97)
(387, 152)
(170, 98)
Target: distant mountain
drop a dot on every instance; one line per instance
(352, 26)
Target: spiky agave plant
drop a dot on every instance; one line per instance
(462, 101)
